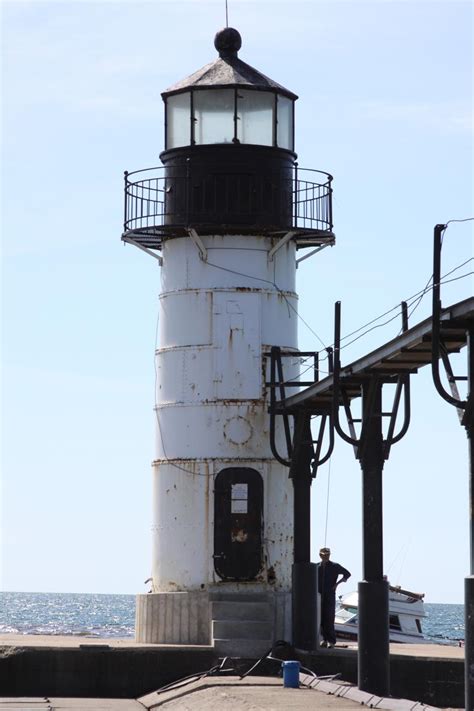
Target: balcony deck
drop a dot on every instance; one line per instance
(160, 205)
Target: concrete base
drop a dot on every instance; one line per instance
(217, 617)
(173, 618)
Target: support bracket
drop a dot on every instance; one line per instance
(198, 242)
(436, 348)
(158, 257)
(293, 444)
(310, 254)
(340, 394)
(286, 238)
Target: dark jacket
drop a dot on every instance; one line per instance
(328, 574)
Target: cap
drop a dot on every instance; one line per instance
(228, 42)
(325, 551)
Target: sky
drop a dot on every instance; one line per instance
(385, 106)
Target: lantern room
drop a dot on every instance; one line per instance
(228, 164)
(229, 101)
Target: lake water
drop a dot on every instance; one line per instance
(114, 616)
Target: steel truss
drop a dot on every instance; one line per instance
(428, 342)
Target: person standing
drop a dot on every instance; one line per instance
(328, 574)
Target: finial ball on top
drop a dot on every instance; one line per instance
(228, 42)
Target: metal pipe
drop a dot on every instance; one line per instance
(304, 606)
(407, 413)
(274, 354)
(319, 443)
(318, 462)
(372, 461)
(403, 382)
(393, 417)
(468, 422)
(373, 639)
(302, 518)
(286, 424)
(304, 581)
(300, 473)
(373, 643)
(336, 375)
(316, 367)
(436, 327)
(469, 581)
(329, 351)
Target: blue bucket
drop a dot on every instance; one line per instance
(291, 674)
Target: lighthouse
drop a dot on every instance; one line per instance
(226, 215)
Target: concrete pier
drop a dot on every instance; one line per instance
(67, 666)
(231, 692)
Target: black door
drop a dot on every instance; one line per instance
(238, 513)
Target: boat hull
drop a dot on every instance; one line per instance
(406, 611)
(349, 633)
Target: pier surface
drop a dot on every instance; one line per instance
(435, 651)
(252, 693)
(45, 671)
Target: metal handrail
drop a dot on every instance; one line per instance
(149, 196)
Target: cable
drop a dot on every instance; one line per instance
(266, 655)
(466, 219)
(280, 291)
(471, 259)
(369, 330)
(409, 299)
(184, 681)
(423, 291)
(463, 276)
(419, 300)
(442, 282)
(418, 297)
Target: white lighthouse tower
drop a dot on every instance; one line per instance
(225, 214)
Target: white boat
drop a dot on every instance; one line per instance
(406, 610)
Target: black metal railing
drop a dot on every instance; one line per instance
(160, 201)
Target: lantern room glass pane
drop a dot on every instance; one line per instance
(178, 120)
(285, 123)
(214, 116)
(255, 117)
